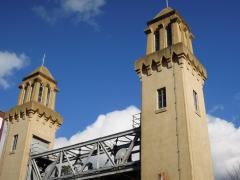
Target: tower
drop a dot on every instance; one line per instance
(174, 128)
(32, 124)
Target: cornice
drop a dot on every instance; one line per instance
(41, 74)
(27, 109)
(179, 50)
(174, 17)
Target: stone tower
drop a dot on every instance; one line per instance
(32, 124)
(174, 127)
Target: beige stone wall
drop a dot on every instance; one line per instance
(173, 139)
(197, 125)
(30, 118)
(12, 162)
(15, 164)
(158, 130)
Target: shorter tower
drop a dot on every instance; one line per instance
(174, 128)
(32, 124)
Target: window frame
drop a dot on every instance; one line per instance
(161, 98)
(14, 143)
(196, 102)
(40, 93)
(169, 35)
(32, 90)
(157, 40)
(48, 96)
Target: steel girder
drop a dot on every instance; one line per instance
(117, 153)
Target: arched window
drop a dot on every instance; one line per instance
(40, 94)
(169, 35)
(24, 94)
(157, 39)
(32, 89)
(48, 96)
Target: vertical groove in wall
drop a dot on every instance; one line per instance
(176, 114)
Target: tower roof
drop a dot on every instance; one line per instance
(43, 71)
(163, 12)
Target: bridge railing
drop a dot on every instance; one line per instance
(103, 156)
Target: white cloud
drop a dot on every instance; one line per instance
(77, 10)
(224, 137)
(218, 107)
(113, 122)
(9, 62)
(225, 143)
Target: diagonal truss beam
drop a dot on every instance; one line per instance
(95, 157)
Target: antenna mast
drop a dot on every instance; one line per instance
(167, 3)
(43, 60)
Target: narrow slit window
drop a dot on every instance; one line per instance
(40, 94)
(31, 94)
(169, 35)
(195, 98)
(157, 40)
(162, 101)
(48, 96)
(14, 145)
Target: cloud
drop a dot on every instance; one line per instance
(9, 62)
(216, 108)
(113, 122)
(224, 137)
(225, 143)
(76, 10)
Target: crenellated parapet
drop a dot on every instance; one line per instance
(165, 57)
(27, 110)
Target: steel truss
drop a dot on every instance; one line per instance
(118, 153)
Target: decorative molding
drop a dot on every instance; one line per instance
(180, 51)
(40, 74)
(31, 108)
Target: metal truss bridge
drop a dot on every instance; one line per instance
(109, 157)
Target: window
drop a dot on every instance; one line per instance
(14, 146)
(48, 96)
(157, 40)
(40, 94)
(39, 145)
(195, 98)
(169, 35)
(162, 102)
(31, 95)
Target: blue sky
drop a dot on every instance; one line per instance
(91, 53)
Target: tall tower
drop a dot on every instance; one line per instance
(174, 127)
(32, 124)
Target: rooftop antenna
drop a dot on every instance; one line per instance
(167, 3)
(43, 60)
